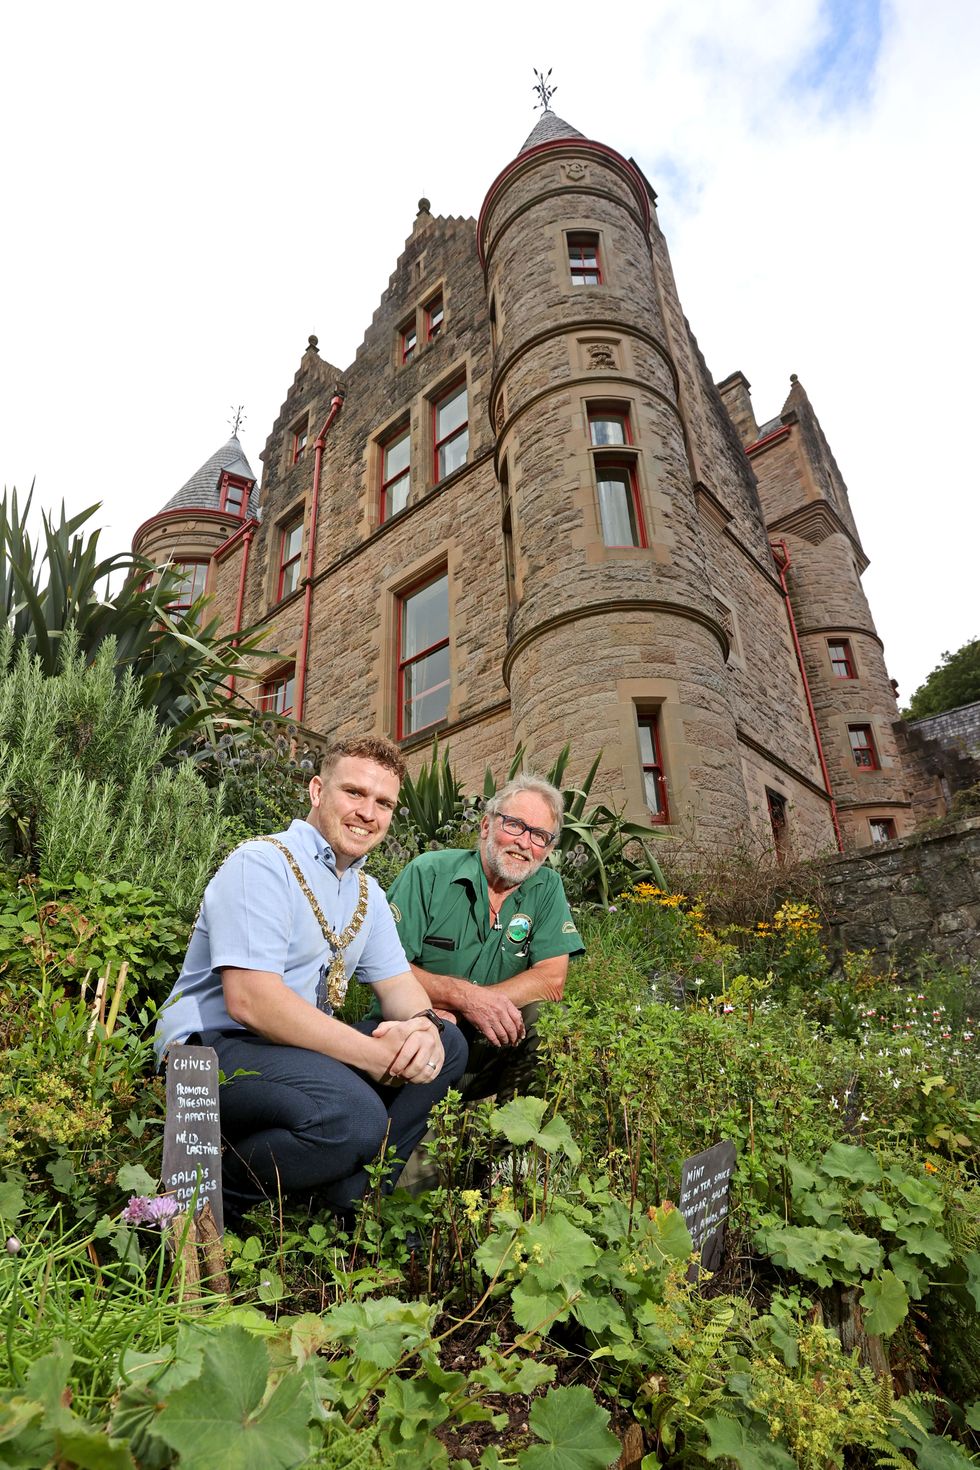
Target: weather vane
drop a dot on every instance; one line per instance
(543, 90)
(239, 419)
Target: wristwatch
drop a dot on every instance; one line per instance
(430, 1015)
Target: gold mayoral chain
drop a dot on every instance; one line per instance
(337, 974)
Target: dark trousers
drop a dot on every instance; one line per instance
(303, 1123)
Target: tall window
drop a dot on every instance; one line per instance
(779, 822)
(863, 747)
(278, 693)
(301, 433)
(395, 473)
(654, 782)
(619, 503)
(583, 259)
(193, 577)
(234, 495)
(841, 661)
(290, 550)
(882, 829)
(450, 431)
(434, 317)
(423, 656)
(410, 341)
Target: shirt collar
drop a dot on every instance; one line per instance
(471, 873)
(314, 845)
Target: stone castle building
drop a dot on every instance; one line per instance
(526, 514)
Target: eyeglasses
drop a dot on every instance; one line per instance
(514, 827)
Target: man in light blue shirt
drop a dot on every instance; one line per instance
(284, 924)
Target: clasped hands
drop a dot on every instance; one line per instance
(411, 1052)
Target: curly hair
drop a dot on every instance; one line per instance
(366, 747)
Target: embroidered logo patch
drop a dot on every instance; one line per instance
(518, 929)
(396, 912)
(568, 927)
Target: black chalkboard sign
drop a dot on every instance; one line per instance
(704, 1200)
(192, 1133)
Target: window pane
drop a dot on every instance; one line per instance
(426, 691)
(616, 508)
(608, 429)
(397, 456)
(396, 496)
(653, 791)
(648, 755)
(450, 414)
(292, 541)
(425, 619)
(453, 454)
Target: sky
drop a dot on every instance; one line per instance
(191, 190)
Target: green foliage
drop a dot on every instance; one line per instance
(573, 1431)
(264, 779)
(182, 665)
(953, 682)
(82, 787)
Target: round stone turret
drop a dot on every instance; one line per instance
(613, 627)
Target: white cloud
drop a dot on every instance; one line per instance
(192, 191)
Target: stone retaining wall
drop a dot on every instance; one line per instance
(918, 895)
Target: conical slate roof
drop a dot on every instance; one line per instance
(548, 129)
(203, 489)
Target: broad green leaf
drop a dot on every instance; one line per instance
(802, 1176)
(668, 1231)
(972, 1263)
(90, 1449)
(972, 1412)
(520, 1123)
(574, 1433)
(849, 1161)
(218, 1422)
(917, 1191)
(410, 1406)
(511, 1375)
(308, 1334)
(885, 1302)
(823, 1208)
(12, 1197)
(749, 1446)
(133, 1179)
(381, 1330)
(535, 1309)
(878, 1209)
(906, 1269)
(857, 1252)
(922, 1240)
(558, 1251)
(16, 1414)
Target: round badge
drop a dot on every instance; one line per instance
(518, 929)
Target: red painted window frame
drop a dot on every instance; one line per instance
(650, 719)
(269, 691)
(868, 745)
(600, 412)
(888, 822)
(179, 605)
(463, 428)
(301, 437)
(432, 329)
(409, 348)
(402, 664)
(395, 437)
(845, 658)
(620, 462)
(291, 561)
(234, 482)
(579, 242)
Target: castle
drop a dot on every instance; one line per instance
(526, 514)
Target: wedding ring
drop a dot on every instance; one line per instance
(433, 1066)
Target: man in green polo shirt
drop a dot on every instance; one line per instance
(488, 933)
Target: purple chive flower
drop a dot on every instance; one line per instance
(142, 1210)
(13, 1245)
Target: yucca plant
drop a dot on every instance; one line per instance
(59, 581)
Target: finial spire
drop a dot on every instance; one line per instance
(545, 93)
(239, 418)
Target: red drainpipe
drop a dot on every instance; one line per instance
(246, 543)
(780, 552)
(336, 404)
